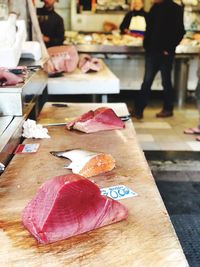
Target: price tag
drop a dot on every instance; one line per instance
(27, 148)
(118, 192)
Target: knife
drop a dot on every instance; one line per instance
(125, 117)
(59, 105)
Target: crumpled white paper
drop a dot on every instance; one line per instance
(33, 130)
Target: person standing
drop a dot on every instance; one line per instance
(164, 31)
(134, 20)
(196, 130)
(51, 24)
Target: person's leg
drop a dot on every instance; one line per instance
(168, 92)
(151, 68)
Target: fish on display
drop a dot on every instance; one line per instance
(101, 119)
(69, 205)
(87, 163)
(63, 59)
(8, 78)
(87, 63)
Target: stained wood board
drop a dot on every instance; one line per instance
(145, 238)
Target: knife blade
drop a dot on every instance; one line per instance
(125, 117)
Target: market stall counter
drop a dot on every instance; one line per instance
(15, 100)
(101, 83)
(117, 57)
(17, 103)
(145, 238)
(127, 50)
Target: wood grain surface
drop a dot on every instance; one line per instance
(145, 238)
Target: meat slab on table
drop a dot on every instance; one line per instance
(63, 58)
(69, 205)
(87, 163)
(89, 64)
(101, 119)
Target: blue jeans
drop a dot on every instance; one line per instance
(155, 62)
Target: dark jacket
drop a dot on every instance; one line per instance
(127, 19)
(51, 25)
(165, 28)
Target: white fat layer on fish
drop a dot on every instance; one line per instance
(78, 154)
(77, 164)
(80, 126)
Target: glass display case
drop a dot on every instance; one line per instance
(192, 17)
(101, 6)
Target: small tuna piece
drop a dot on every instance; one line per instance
(89, 64)
(101, 119)
(69, 205)
(87, 163)
(83, 59)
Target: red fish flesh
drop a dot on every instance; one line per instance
(69, 205)
(101, 119)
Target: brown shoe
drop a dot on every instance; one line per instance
(164, 114)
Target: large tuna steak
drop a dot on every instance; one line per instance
(63, 58)
(100, 119)
(69, 205)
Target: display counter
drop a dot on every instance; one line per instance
(146, 238)
(10, 136)
(14, 100)
(17, 103)
(110, 49)
(102, 83)
(127, 62)
(132, 50)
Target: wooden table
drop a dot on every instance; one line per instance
(145, 238)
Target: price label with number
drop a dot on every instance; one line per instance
(27, 148)
(118, 192)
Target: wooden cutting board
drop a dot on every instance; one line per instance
(145, 238)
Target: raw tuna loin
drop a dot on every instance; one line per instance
(69, 205)
(101, 119)
(63, 58)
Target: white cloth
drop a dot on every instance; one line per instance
(33, 130)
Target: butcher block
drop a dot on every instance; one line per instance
(85, 83)
(145, 238)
